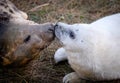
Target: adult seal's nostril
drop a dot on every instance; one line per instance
(51, 29)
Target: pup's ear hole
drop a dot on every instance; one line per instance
(4, 17)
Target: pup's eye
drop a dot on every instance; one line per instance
(27, 39)
(72, 35)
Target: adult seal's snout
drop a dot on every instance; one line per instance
(52, 28)
(48, 33)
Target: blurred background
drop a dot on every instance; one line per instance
(43, 69)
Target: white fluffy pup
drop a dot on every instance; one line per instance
(93, 50)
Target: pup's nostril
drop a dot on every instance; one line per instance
(56, 25)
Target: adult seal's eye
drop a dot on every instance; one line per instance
(27, 39)
(72, 35)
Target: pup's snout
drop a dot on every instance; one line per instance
(57, 26)
(60, 29)
(60, 25)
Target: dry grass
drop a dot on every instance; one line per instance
(43, 69)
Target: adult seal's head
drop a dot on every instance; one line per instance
(21, 40)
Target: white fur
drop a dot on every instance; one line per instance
(95, 51)
(60, 55)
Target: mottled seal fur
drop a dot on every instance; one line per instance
(21, 40)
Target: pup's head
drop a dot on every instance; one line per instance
(21, 40)
(69, 36)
